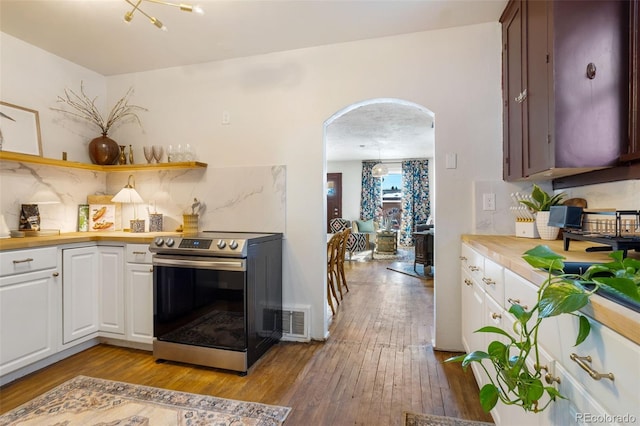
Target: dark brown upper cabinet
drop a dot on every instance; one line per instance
(633, 151)
(565, 86)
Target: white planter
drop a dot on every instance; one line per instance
(546, 232)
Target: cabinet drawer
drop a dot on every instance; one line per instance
(493, 280)
(609, 352)
(471, 261)
(138, 253)
(21, 261)
(518, 290)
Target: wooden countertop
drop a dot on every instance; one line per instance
(507, 251)
(80, 237)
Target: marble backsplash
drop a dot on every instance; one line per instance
(234, 198)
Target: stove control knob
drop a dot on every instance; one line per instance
(221, 244)
(233, 245)
(159, 241)
(170, 242)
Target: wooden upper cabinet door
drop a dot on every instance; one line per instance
(633, 152)
(513, 85)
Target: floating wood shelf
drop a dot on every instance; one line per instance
(25, 158)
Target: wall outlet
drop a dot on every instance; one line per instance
(489, 201)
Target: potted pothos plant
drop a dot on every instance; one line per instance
(540, 203)
(511, 380)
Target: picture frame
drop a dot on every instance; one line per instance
(20, 130)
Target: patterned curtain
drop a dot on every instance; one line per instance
(415, 197)
(371, 195)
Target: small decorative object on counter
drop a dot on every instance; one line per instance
(29, 217)
(137, 225)
(123, 155)
(190, 223)
(83, 217)
(155, 222)
(130, 154)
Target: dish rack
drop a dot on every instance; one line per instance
(616, 230)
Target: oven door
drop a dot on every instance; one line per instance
(200, 301)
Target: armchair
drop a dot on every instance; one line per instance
(358, 241)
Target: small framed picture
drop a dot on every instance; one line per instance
(19, 130)
(102, 217)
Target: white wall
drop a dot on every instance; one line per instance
(278, 104)
(351, 186)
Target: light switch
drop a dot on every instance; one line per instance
(451, 161)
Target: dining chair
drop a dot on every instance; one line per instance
(332, 278)
(342, 250)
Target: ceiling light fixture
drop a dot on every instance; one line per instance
(128, 16)
(379, 169)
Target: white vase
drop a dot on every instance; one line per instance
(546, 232)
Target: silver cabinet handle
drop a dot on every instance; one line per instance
(28, 259)
(582, 362)
(474, 268)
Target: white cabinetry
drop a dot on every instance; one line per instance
(29, 307)
(111, 289)
(581, 373)
(139, 293)
(80, 289)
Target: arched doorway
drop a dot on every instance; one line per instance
(383, 129)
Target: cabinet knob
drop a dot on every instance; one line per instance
(582, 362)
(591, 70)
(467, 281)
(550, 379)
(517, 302)
(55, 274)
(463, 258)
(150, 269)
(474, 268)
(495, 315)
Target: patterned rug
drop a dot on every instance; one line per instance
(402, 254)
(413, 419)
(89, 401)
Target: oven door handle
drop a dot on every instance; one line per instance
(222, 265)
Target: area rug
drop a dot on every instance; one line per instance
(402, 254)
(89, 401)
(413, 419)
(407, 269)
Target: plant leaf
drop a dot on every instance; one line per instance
(492, 329)
(621, 286)
(553, 393)
(488, 397)
(562, 298)
(475, 356)
(584, 330)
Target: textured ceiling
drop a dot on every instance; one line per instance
(92, 33)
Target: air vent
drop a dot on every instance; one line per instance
(295, 323)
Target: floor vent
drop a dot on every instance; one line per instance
(295, 323)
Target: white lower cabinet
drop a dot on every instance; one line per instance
(580, 373)
(139, 293)
(29, 307)
(80, 290)
(111, 290)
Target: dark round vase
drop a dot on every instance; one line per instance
(104, 151)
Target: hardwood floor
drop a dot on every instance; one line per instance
(377, 363)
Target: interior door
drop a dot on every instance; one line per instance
(334, 197)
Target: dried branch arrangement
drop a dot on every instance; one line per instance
(85, 108)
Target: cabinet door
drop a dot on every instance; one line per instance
(29, 318)
(139, 283)
(472, 319)
(111, 289)
(513, 85)
(80, 291)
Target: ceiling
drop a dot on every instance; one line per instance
(92, 33)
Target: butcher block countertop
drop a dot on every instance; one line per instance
(507, 251)
(81, 237)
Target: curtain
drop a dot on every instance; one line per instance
(415, 197)
(371, 195)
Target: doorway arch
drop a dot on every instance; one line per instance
(379, 129)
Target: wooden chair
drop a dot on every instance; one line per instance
(342, 250)
(332, 278)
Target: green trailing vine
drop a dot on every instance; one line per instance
(512, 381)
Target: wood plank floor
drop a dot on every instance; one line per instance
(377, 363)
